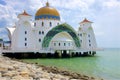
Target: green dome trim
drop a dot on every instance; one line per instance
(58, 29)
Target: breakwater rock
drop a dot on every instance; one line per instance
(16, 70)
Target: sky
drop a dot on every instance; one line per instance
(105, 15)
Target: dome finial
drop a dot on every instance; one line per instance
(47, 4)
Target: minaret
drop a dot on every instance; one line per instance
(23, 33)
(86, 35)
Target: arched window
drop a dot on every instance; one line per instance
(50, 24)
(59, 44)
(42, 32)
(25, 32)
(64, 44)
(25, 39)
(81, 41)
(88, 35)
(39, 32)
(89, 41)
(34, 24)
(54, 44)
(68, 44)
(89, 44)
(39, 40)
(42, 23)
(57, 23)
(25, 44)
(81, 35)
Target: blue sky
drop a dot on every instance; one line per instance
(104, 13)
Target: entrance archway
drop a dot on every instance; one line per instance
(60, 28)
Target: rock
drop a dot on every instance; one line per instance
(92, 78)
(3, 69)
(19, 77)
(45, 75)
(75, 76)
(35, 76)
(9, 74)
(0, 74)
(43, 79)
(3, 78)
(10, 68)
(24, 74)
(39, 69)
(65, 73)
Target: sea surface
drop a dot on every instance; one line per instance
(105, 64)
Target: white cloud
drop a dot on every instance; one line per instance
(72, 5)
(2, 30)
(112, 3)
(8, 15)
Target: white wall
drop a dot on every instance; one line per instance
(18, 37)
(43, 28)
(87, 36)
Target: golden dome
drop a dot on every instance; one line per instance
(47, 12)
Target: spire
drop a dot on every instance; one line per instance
(85, 20)
(47, 3)
(25, 13)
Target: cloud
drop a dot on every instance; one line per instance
(73, 5)
(111, 3)
(8, 15)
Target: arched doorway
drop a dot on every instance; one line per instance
(58, 29)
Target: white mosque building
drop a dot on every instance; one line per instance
(49, 35)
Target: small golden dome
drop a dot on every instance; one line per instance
(47, 11)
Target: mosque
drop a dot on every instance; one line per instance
(47, 35)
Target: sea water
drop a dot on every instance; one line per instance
(106, 64)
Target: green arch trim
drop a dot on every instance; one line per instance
(60, 28)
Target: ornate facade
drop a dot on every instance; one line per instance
(48, 35)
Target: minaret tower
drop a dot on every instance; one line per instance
(86, 35)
